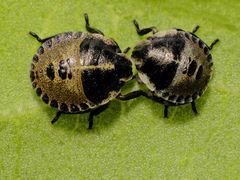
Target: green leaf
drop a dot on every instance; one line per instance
(130, 139)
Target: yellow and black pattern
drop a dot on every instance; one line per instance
(79, 71)
(175, 64)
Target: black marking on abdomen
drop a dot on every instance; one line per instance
(194, 39)
(209, 58)
(77, 35)
(200, 43)
(32, 76)
(35, 58)
(34, 85)
(54, 103)
(74, 108)
(45, 98)
(67, 35)
(48, 43)
(70, 75)
(39, 91)
(62, 69)
(40, 50)
(180, 99)
(172, 98)
(206, 50)
(97, 83)
(84, 106)
(32, 66)
(192, 68)
(199, 73)
(64, 107)
(160, 74)
(50, 71)
(57, 39)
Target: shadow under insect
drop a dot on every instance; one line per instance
(79, 122)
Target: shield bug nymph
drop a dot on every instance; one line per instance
(79, 72)
(175, 65)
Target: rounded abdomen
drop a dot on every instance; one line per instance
(70, 71)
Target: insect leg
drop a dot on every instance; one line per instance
(194, 107)
(89, 28)
(94, 113)
(136, 94)
(151, 96)
(144, 31)
(125, 51)
(195, 29)
(131, 95)
(165, 111)
(213, 43)
(56, 117)
(38, 38)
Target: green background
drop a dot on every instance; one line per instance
(130, 139)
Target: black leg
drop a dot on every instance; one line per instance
(144, 31)
(195, 29)
(194, 107)
(213, 43)
(165, 111)
(89, 28)
(131, 95)
(90, 121)
(94, 113)
(38, 38)
(126, 50)
(151, 96)
(148, 95)
(56, 117)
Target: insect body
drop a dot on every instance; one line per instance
(79, 72)
(175, 65)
